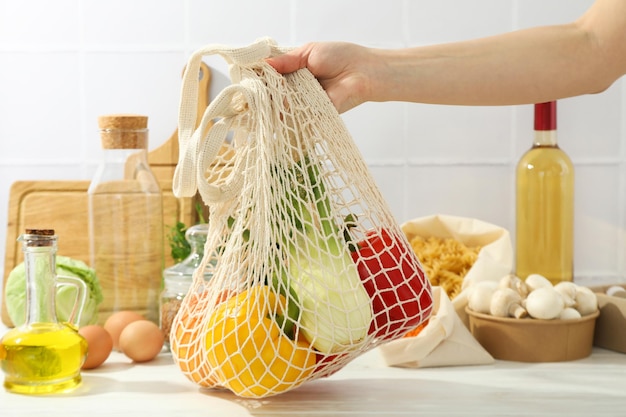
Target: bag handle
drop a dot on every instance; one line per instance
(198, 148)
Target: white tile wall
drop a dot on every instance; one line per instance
(63, 63)
(452, 20)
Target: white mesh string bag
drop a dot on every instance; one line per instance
(309, 268)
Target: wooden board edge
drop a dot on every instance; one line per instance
(18, 191)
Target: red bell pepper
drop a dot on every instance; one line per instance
(396, 283)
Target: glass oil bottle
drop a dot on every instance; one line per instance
(43, 356)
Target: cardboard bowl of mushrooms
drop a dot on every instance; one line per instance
(532, 320)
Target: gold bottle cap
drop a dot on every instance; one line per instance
(123, 131)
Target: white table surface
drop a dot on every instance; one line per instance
(595, 386)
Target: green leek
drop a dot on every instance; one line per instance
(335, 309)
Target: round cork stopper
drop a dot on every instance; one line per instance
(123, 131)
(39, 237)
(40, 232)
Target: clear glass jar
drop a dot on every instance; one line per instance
(178, 278)
(126, 220)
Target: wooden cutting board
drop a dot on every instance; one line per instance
(62, 205)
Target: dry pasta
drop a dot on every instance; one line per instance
(445, 260)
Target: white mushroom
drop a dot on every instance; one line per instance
(586, 301)
(506, 302)
(616, 291)
(515, 283)
(534, 281)
(567, 290)
(479, 297)
(544, 303)
(569, 313)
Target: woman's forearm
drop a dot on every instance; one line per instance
(526, 66)
(519, 67)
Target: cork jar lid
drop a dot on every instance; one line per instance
(123, 121)
(123, 131)
(38, 237)
(40, 232)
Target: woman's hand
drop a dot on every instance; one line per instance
(341, 69)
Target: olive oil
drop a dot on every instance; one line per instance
(43, 358)
(545, 204)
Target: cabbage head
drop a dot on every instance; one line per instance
(15, 292)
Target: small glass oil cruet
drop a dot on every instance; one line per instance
(43, 356)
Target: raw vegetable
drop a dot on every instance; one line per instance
(569, 313)
(480, 294)
(335, 309)
(586, 301)
(515, 283)
(248, 350)
(189, 357)
(417, 330)
(507, 302)
(544, 303)
(568, 290)
(534, 281)
(534, 297)
(15, 292)
(179, 247)
(396, 287)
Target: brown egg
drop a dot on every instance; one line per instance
(99, 345)
(141, 340)
(117, 322)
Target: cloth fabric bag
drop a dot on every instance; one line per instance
(495, 258)
(309, 268)
(444, 341)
